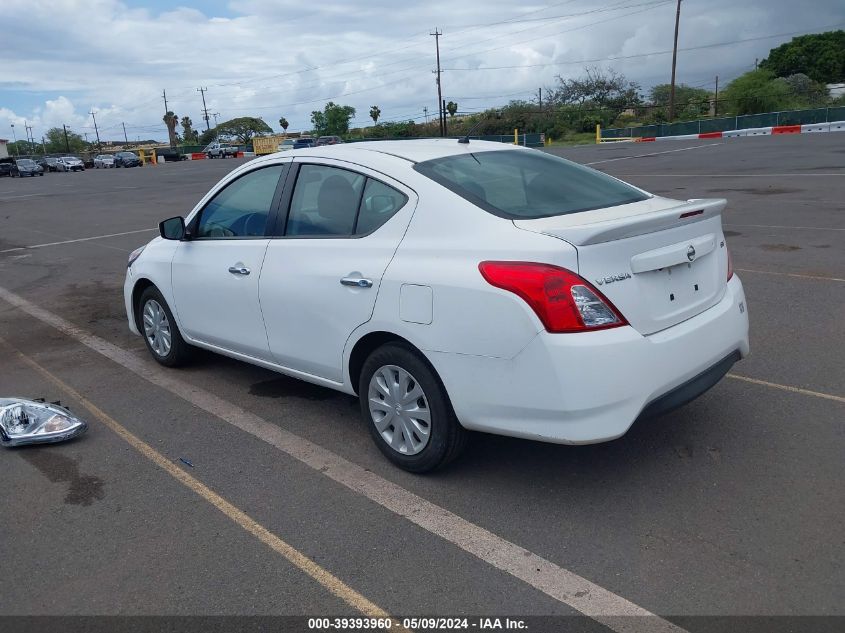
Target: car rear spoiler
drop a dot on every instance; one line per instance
(640, 218)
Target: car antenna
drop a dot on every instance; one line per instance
(496, 114)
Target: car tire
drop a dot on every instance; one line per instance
(159, 329)
(394, 367)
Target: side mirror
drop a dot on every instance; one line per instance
(173, 228)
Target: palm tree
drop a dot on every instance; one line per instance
(188, 133)
(451, 108)
(171, 121)
(375, 113)
(283, 122)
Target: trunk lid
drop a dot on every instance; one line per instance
(659, 261)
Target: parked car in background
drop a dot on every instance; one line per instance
(6, 167)
(126, 159)
(69, 163)
(486, 287)
(285, 145)
(48, 163)
(220, 150)
(301, 143)
(328, 140)
(103, 160)
(26, 167)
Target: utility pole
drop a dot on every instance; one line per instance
(125, 138)
(716, 99)
(99, 147)
(674, 61)
(443, 108)
(164, 96)
(756, 59)
(437, 33)
(15, 136)
(43, 146)
(425, 113)
(540, 98)
(204, 109)
(67, 143)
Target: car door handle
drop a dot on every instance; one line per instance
(357, 282)
(239, 270)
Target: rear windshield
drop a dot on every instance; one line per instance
(527, 184)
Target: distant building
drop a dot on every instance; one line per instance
(836, 90)
(4, 151)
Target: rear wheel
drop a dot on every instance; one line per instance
(407, 410)
(161, 334)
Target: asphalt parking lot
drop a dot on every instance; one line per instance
(730, 506)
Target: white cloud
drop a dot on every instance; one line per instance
(282, 58)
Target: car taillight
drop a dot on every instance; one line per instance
(563, 301)
(730, 264)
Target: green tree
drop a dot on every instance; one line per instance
(375, 113)
(599, 96)
(23, 148)
(243, 128)
(820, 56)
(54, 140)
(755, 92)
(690, 103)
(283, 123)
(189, 134)
(451, 108)
(171, 121)
(207, 137)
(333, 120)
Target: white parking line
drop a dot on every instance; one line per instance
(81, 239)
(602, 605)
(668, 151)
(770, 272)
(840, 174)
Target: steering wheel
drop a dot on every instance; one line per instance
(254, 224)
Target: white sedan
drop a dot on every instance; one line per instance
(104, 160)
(452, 286)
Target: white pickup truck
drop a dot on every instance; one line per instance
(220, 150)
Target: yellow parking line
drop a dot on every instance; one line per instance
(774, 385)
(325, 578)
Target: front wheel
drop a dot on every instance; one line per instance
(408, 411)
(161, 334)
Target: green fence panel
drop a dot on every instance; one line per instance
(836, 114)
(718, 125)
(723, 124)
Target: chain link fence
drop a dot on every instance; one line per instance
(724, 124)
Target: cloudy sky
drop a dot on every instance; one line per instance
(61, 59)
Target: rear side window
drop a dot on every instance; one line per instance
(527, 184)
(332, 202)
(378, 205)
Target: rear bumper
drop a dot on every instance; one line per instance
(591, 387)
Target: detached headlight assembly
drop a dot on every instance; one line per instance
(135, 255)
(34, 422)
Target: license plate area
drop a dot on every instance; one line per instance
(677, 289)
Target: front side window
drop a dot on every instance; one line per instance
(241, 209)
(519, 184)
